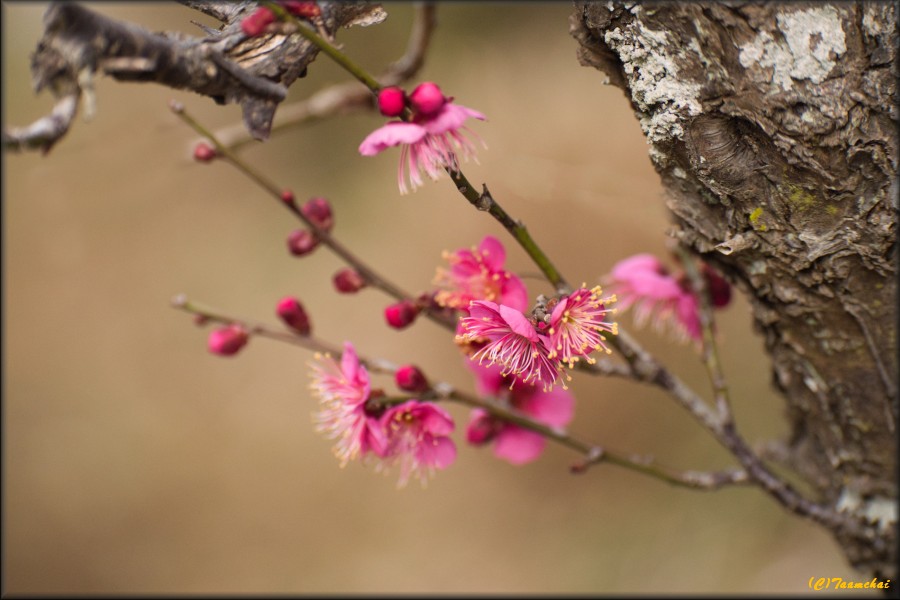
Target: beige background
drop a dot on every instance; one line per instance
(136, 462)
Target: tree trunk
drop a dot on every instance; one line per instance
(774, 129)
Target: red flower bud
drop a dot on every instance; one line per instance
(391, 101)
(256, 23)
(293, 314)
(481, 429)
(427, 99)
(318, 210)
(348, 281)
(227, 341)
(301, 9)
(401, 314)
(719, 288)
(411, 379)
(287, 196)
(302, 241)
(203, 152)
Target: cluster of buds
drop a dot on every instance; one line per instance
(301, 242)
(425, 101)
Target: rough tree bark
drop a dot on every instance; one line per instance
(774, 129)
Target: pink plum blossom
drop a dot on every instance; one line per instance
(343, 391)
(428, 144)
(512, 442)
(417, 440)
(577, 325)
(513, 342)
(643, 282)
(478, 274)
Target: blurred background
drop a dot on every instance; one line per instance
(137, 462)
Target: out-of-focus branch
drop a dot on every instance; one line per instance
(254, 72)
(344, 98)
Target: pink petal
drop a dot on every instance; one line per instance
(518, 446)
(492, 252)
(638, 262)
(392, 134)
(514, 294)
(439, 452)
(435, 419)
(555, 408)
(450, 118)
(518, 323)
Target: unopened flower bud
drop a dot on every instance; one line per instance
(318, 210)
(427, 99)
(287, 196)
(391, 101)
(294, 315)
(481, 429)
(301, 9)
(719, 288)
(227, 341)
(348, 281)
(255, 23)
(302, 241)
(401, 314)
(203, 152)
(411, 379)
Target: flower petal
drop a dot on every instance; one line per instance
(450, 118)
(518, 446)
(493, 254)
(555, 407)
(391, 134)
(517, 322)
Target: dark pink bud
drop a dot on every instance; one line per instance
(401, 314)
(287, 196)
(226, 341)
(203, 152)
(302, 241)
(481, 429)
(318, 210)
(293, 314)
(719, 288)
(427, 99)
(348, 281)
(302, 9)
(391, 101)
(256, 23)
(411, 379)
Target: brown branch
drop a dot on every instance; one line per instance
(228, 67)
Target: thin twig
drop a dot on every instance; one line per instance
(710, 355)
(370, 275)
(593, 454)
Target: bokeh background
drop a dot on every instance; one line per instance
(136, 462)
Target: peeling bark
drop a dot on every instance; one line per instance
(774, 129)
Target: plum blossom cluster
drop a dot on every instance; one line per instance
(413, 435)
(665, 299)
(430, 140)
(536, 349)
(494, 328)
